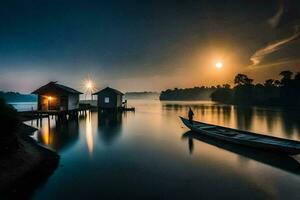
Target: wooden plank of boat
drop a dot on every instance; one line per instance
(246, 138)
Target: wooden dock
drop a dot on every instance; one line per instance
(121, 109)
(64, 114)
(30, 115)
(127, 109)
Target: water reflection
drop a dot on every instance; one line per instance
(191, 145)
(89, 132)
(243, 117)
(273, 121)
(142, 154)
(58, 135)
(291, 121)
(283, 162)
(109, 126)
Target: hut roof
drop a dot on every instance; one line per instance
(58, 86)
(109, 89)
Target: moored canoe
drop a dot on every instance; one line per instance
(254, 140)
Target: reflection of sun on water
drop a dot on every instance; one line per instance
(89, 132)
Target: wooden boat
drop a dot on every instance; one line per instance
(245, 138)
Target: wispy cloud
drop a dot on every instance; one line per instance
(260, 54)
(275, 20)
(279, 63)
(274, 46)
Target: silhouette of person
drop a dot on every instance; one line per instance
(191, 115)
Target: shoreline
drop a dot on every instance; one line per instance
(27, 168)
(280, 106)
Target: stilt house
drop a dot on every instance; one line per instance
(56, 97)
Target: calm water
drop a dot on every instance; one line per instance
(149, 154)
(24, 106)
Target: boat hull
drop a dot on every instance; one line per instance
(289, 150)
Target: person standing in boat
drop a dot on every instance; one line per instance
(191, 115)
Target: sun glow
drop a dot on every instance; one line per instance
(219, 65)
(89, 85)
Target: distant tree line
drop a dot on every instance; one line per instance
(196, 93)
(283, 92)
(17, 97)
(141, 95)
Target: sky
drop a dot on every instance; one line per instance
(145, 45)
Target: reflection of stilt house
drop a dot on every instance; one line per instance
(56, 97)
(109, 98)
(109, 126)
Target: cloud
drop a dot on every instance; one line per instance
(275, 20)
(280, 63)
(260, 54)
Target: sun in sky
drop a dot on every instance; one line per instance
(219, 65)
(88, 85)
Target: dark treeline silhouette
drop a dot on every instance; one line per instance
(141, 95)
(196, 93)
(283, 92)
(17, 97)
